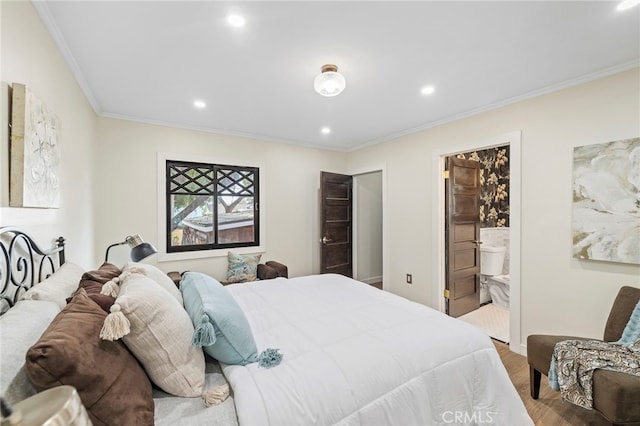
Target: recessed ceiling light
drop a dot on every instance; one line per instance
(236, 21)
(325, 130)
(627, 4)
(427, 90)
(199, 104)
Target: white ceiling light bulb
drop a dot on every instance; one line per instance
(325, 130)
(329, 82)
(236, 21)
(627, 4)
(199, 104)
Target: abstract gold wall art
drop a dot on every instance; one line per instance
(606, 201)
(34, 152)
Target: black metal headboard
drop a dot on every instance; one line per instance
(23, 263)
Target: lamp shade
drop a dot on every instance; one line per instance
(329, 82)
(139, 249)
(142, 251)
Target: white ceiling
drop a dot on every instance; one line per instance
(149, 60)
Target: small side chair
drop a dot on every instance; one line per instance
(615, 395)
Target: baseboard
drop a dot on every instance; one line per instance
(371, 280)
(519, 349)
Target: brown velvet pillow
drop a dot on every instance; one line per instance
(92, 282)
(112, 385)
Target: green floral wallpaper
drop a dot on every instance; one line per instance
(494, 177)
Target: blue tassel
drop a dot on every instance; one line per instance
(553, 375)
(269, 358)
(204, 334)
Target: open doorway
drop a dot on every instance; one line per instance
(367, 214)
(490, 265)
(352, 225)
(494, 238)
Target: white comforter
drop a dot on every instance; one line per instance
(355, 355)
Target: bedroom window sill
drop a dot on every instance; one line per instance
(169, 257)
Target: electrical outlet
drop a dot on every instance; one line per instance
(409, 279)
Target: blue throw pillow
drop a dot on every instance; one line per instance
(220, 325)
(631, 333)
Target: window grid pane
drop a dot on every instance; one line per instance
(211, 206)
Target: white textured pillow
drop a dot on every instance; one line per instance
(58, 286)
(157, 276)
(160, 336)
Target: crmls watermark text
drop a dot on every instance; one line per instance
(464, 417)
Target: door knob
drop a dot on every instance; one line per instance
(325, 240)
(477, 242)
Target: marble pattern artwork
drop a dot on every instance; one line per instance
(34, 152)
(606, 201)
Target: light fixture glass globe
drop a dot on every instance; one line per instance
(329, 83)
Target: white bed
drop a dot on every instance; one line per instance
(357, 355)
(352, 354)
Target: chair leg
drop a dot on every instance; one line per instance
(534, 382)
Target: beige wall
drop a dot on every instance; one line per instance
(559, 294)
(29, 56)
(127, 187)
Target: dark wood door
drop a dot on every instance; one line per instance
(336, 216)
(462, 233)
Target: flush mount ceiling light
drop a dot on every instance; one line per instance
(329, 82)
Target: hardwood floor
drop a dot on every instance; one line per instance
(377, 285)
(549, 409)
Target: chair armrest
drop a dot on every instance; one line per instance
(266, 272)
(272, 269)
(282, 269)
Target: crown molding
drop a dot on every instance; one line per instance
(47, 18)
(204, 129)
(526, 96)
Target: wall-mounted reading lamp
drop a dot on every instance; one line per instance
(139, 249)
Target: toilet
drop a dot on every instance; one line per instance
(491, 267)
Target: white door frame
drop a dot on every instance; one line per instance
(385, 267)
(514, 140)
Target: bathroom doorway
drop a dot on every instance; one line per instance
(500, 215)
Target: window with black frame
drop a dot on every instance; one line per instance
(211, 206)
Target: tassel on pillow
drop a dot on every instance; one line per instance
(204, 334)
(269, 358)
(216, 395)
(116, 325)
(111, 288)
